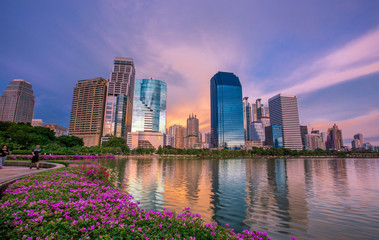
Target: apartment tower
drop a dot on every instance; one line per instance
(192, 134)
(87, 112)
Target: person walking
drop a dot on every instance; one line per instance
(35, 159)
(3, 155)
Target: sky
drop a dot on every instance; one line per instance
(324, 52)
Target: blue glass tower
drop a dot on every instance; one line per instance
(226, 111)
(149, 106)
(274, 136)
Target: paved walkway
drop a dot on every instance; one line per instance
(10, 172)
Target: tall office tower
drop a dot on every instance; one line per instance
(303, 132)
(359, 136)
(257, 132)
(17, 102)
(267, 112)
(356, 144)
(246, 117)
(254, 112)
(226, 111)
(284, 112)
(37, 123)
(260, 108)
(119, 103)
(149, 107)
(192, 134)
(274, 136)
(334, 140)
(178, 136)
(87, 112)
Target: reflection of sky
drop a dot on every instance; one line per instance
(304, 48)
(310, 199)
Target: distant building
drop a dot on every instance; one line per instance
(334, 140)
(58, 130)
(314, 141)
(284, 112)
(17, 102)
(226, 111)
(177, 133)
(119, 104)
(149, 107)
(87, 112)
(274, 136)
(200, 137)
(145, 140)
(246, 117)
(250, 144)
(303, 133)
(208, 138)
(359, 136)
(358, 141)
(192, 135)
(265, 121)
(257, 132)
(37, 123)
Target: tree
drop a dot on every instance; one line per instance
(159, 151)
(70, 141)
(117, 142)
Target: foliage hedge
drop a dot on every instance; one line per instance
(79, 203)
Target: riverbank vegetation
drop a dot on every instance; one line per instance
(80, 203)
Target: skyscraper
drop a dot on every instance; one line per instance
(284, 112)
(149, 107)
(177, 134)
(359, 136)
(303, 133)
(334, 140)
(246, 117)
(257, 132)
(119, 103)
(192, 131)
(87, 112)
(274, 136)
(17, 102)
(226, 111)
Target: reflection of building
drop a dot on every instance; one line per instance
(119, 103)
(192, 131)
(226, 111)
(37, 123)
(246, 118)
(87, 112)
(58, 130)
(177, 133)
(334, 140)
(149, 107)
(284, 112)
(17, 102)
(274, 136)
(145, 140)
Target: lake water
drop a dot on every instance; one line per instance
(305, 198)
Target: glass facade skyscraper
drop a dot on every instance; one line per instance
(226, 111)
(274, 136)
(149, 108)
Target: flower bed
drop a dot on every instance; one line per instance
(79, 203)
(60, 157)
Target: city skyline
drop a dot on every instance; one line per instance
(305, 50)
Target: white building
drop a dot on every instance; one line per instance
(257, 132)
(37, 123)
(314, 141)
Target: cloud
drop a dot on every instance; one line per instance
(356, 59)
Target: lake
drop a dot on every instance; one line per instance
(305, 198)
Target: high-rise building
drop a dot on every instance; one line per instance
(58, 130)
(119, 103)
(208, 138)
(334, 140)
(284, 112)
(37, 123)
(359, 136)
(17, 102)
(226, 111)
(265, 121)
(314, 141)
(246, 117)
(149, 107)
(274, 136)
(192, 131)
(303, 133)
(257, 132)
(356, 144)
(177, 134)
(87, 112)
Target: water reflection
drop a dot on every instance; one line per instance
(306, 198)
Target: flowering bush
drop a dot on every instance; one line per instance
(78, 203)
(60, 157)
